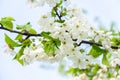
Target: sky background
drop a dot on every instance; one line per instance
(106, 10)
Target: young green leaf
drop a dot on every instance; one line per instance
(11, 42)
(26, 27)
(26, 43)
(50, 44)
(8, 18)
(53, 13)
(7, 22)
(19, 38)
(49, 47)
(19, 54)
(115, 41)
(95, 69)
(57, 42)
(60, 3)
(46, 35)
(96, 51)
(105, 60)
(31, 30)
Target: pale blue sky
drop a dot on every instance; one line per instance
(107, 10)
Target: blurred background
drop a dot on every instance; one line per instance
(98, 13)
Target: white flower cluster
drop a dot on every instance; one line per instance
(71, 33)
(74, 27)
(39, 3)
(81, 77)
(115, 58)
(103, 74)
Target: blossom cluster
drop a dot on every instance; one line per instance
(63, 30)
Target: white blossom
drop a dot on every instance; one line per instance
(39, 3)
(81, 77)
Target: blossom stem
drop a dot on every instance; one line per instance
(55, 8)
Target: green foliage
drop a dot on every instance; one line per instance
(11, 43)
(19, 37)
(95, 69)
(105, 59)
(96, 51)
(46, 35)
(60, 3)
(115, 41)
(26, 43)
(19, 54)
(53, 12)
(58, 12)
(7, 22)
(50, 44)
(26, 27)
(91, 71)
(75, 71)
(60, 21)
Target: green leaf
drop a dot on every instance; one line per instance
(75, 71)
(57, 42)
(46, 35)
(26, 27)
(60, 21)
(95, 69)
(53, 13)
(19, 54)
(115, 41)
(26, 43)
(49, 47)
(50, 44)
(8, 18)
(19, 38)
(7, 22)
(60, 3)
(96, 51)
(11, 42)
(105, 60)
(31, 30)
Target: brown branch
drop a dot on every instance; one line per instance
(98, 44)
(27, 34)
(18, 32)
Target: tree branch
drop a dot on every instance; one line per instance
(91, 43)
(27, 34)
(18, 32)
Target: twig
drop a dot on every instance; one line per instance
(55, 8)
(91, 43)
(39, 35)
(18, 32)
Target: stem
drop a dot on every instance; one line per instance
(27, 34)
(91, 43)
(18, 32)
(55, 8)
(39, 35)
